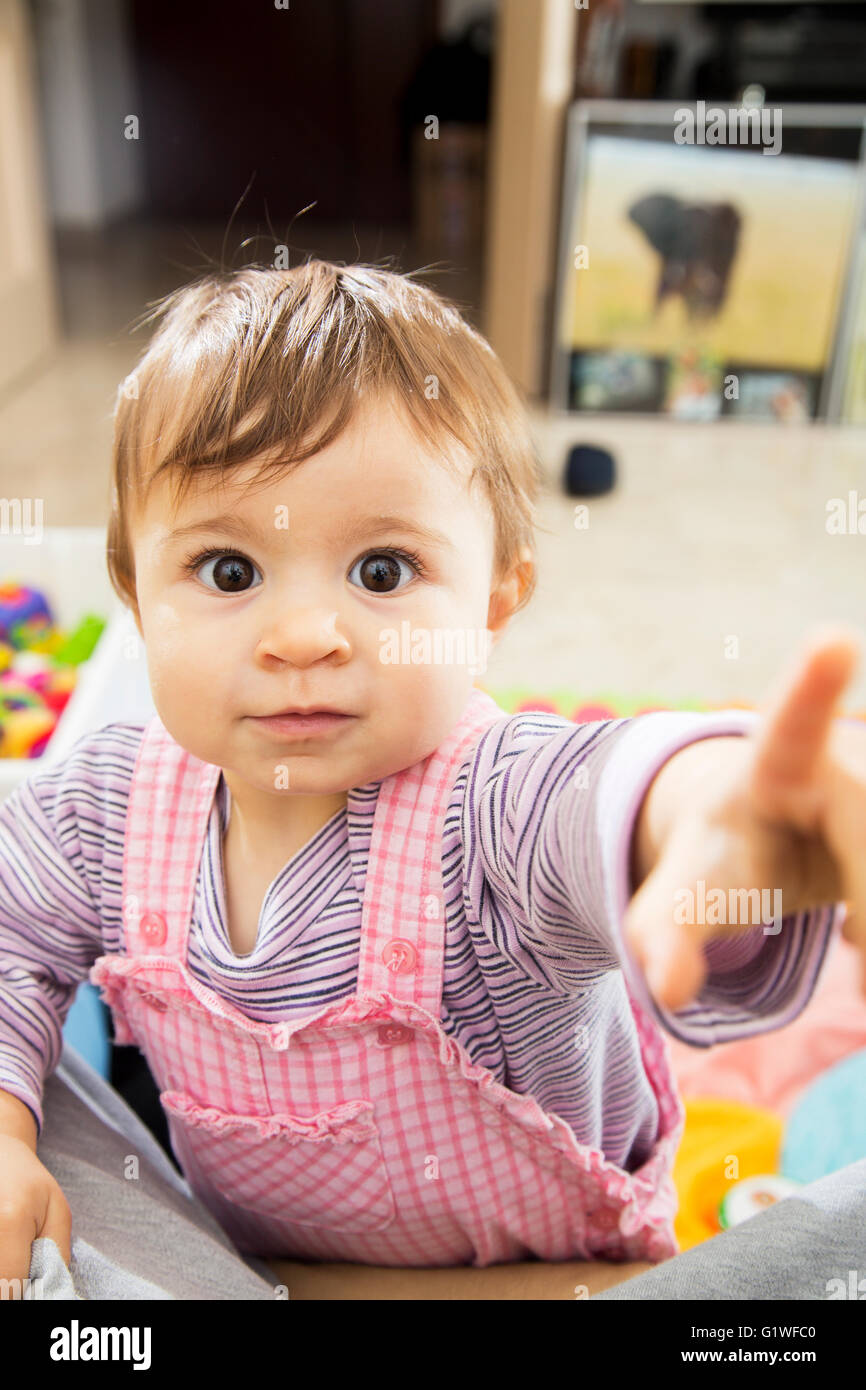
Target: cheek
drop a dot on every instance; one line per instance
(418, 701)
(176, 650)
(166, 633)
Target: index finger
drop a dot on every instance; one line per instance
(792, 738)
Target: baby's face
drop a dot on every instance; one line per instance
(294, 608)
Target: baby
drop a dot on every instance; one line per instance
(382, 944)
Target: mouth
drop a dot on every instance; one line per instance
(309, 724)
(304, 712)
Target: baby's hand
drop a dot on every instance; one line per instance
(783, 811)
(32, 1204)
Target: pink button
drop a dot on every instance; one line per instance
(391, 1033)
(400, 956)
(153, 928)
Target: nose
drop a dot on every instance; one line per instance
(302, 636)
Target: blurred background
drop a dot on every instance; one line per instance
(692, 532)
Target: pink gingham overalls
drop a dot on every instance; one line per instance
(361, 1132)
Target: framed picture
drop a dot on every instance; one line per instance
(787, 396)
(617, 381)
(703, 276)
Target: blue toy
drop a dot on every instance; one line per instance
(827, 1129)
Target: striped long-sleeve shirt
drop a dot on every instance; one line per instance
(536, 845)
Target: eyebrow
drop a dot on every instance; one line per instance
(232, 525)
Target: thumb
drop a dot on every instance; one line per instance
(666, 944)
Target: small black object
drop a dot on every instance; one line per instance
(588, 471)
(132, 1078)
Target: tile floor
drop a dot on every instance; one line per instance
(712, 532)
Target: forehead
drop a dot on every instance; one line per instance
(378, 463)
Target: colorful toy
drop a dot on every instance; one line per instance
(25, 732)
(16, 694)
(581, 706)
(38, 662)
(752, 1196)
(723, 1143)
(826, 1130)
(80, 643)
(24, 615)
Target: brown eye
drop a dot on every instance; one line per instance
(380, 573)
(232, 574)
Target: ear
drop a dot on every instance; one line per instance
(505, 598)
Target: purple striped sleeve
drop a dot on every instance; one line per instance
(49, 928)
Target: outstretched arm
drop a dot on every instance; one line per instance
(781, 813)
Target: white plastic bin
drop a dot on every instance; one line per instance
(68, 564)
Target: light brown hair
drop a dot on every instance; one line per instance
(271, 364)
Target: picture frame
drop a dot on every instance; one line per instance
(704, 259)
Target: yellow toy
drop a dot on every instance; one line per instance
(24, 732)
(723, 1142)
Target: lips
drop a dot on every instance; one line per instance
(316, 723)
(303, 713)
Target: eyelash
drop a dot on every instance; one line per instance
(193, 563)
